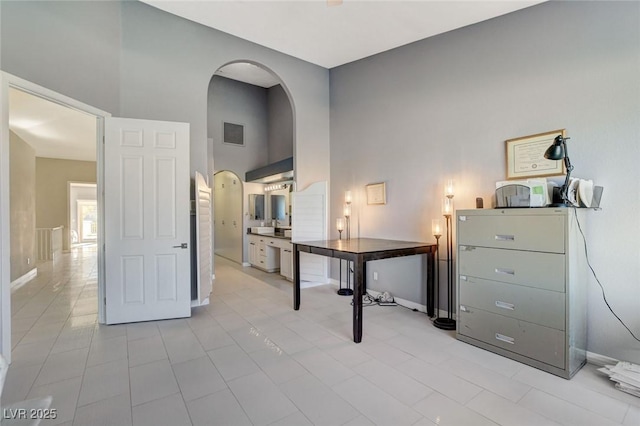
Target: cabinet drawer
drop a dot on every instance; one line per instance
(532, 269)
(533, 305)
(544, 344)
(537, 233)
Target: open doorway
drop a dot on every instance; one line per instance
(51, 146)
(250, 126)
(83, 214)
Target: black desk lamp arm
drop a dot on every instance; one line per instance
(569, 167)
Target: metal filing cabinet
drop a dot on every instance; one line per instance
(521, 285)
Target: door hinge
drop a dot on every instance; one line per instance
(105, 301)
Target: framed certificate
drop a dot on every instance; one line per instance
(525, 156)
(376, 193)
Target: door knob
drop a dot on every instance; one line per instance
(183, 246)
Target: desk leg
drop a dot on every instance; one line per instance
(431, 272)
(358, 290)
(296, 278)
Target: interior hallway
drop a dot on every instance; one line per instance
(249, 359)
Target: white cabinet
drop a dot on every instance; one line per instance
(266, 253)
(521, 278)
(286, 260)
(253, 250)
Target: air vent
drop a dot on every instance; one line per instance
(233, 134)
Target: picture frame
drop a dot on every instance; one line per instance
(376, 193)
(525, 156)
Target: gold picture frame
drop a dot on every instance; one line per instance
(525, 156)
(376, 193)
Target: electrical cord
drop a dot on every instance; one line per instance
(604, 296)
(369, 300)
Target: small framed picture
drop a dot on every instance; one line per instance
(525, 156)
(376, 193)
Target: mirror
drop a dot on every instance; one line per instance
(278, 207)
(256, 206)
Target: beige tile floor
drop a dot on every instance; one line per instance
(249, 359)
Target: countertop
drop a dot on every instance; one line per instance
(280, 236)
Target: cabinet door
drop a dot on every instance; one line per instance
(286, 263)
(253, 253)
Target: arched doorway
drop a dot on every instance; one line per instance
(250, 124)
(228, 223)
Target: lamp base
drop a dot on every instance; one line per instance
(345, 292)
(445, 323)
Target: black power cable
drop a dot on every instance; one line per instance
(604, 296)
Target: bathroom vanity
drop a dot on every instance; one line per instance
(271, 251)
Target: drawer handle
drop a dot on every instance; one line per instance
(505, 238)
(505, 271)
(506, 339)
(505, 305)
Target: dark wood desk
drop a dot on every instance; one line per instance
(360, 251)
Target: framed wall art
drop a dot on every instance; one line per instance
(376, 193)
(525, 156)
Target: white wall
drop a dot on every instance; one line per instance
(443, 107)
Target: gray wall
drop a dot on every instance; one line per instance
(133, 60)
(443, 107)
(238, 103)
(70, 47)
(23, 206)
(280, 124)
(266, 115)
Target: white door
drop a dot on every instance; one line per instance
(203, 236)
(146, 204)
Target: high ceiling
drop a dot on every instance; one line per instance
(330, 36)
(311, 30)
(52, 130)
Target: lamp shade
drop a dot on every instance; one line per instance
(448, 188)
(447, 206)
(340, 224)
(436, 227)
(556, 151)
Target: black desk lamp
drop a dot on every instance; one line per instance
(558, 151)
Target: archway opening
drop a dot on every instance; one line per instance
(250, 125)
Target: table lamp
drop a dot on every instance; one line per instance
(558, 151)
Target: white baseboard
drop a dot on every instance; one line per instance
(600, 360)
(246, 264)
(308, 284)
(19, 282)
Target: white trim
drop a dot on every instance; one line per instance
(19, 282)
(5, 245)
(6, 81)
(243, 264)
(600, 360)
(195, 302)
